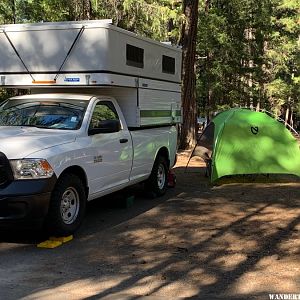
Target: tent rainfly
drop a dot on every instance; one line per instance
(241, 141)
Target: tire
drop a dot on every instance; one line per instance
(157, 182)
(67, 206)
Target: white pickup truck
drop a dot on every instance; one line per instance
(60, 146)
(59, 151)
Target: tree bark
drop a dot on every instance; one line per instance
(291, 119)
(13, 5)
(86, 10)
(287, 113)
(189, 35)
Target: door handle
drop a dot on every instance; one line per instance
(122, 141)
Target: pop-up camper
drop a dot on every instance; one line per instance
(143, 74)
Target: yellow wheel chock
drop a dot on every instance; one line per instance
(54, 242)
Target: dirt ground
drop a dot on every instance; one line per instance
(237, 240)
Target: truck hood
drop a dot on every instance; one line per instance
(19, 142)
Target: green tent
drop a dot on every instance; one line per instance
(241, 141)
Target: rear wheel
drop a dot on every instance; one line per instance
(67, 206)
(157, 182)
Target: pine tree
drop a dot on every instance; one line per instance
(189, 35)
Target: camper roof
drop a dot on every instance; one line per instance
(82, 53)
(104, 23)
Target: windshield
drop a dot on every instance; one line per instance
(50, 114)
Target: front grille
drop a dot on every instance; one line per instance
(6, 175)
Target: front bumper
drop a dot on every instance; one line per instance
(26, 199)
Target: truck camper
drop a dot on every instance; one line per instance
(100, 115)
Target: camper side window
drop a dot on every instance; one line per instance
(104, 111)
(168, 64)
(134, 56)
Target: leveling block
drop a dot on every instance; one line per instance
(54, 242)
(129, 201)
(122, 201)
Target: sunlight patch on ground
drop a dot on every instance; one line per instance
(77, 289)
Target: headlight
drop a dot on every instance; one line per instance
(31, 169)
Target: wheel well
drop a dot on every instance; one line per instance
(164, 153)
(78, 171)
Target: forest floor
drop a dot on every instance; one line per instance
(237, 240)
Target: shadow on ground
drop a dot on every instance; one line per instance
(233, 241)
(103, 213)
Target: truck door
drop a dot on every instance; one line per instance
(111, 153)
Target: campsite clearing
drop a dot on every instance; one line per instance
(232, 241)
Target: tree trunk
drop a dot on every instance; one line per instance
(287, 112)
(86, 10)
(210, 104)
(13, 5)
(291, 119)
(189, 35)
(209, 97)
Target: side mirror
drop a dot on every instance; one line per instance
(107, 126)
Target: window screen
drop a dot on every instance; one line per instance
(134, 56)
(168, 64)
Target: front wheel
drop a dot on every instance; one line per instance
(67, 206)
(157, 182)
